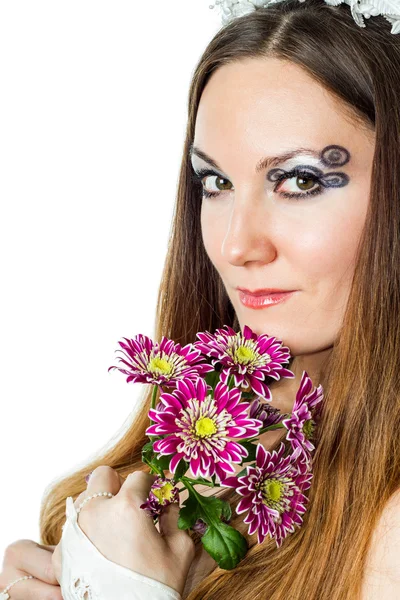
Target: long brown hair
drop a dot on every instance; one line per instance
(357, 461)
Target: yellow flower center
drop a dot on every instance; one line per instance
(272, 491)
(159, 366)
(308, 428)
(205, 427)
(244, 355)
(164, 493)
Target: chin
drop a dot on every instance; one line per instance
(287, 340)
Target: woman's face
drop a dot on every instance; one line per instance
(254, 235)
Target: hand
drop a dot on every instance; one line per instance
(125, 534)
(26, 557)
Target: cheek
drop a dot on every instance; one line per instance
(212, 229)
(318, 248)
(326, 252)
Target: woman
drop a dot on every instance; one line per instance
(323, 223)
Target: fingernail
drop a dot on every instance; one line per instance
(88, 477)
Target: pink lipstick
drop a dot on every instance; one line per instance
(263, 298)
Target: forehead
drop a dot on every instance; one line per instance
(263, 104)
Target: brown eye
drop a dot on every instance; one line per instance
(221, 183)
(305, 183)
(298, 185)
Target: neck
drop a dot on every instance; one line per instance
(284, 391)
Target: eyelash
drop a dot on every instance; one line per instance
(198, 176)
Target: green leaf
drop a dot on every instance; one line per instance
(147, 447)
(248, 396)
(242, 472)
(226, 511)
(189, 512)
(216, 507)
(208, 508)
(231, 382)
(163, 461)
(147, 452)
(212, 378)
(226, 545)
(181, 469)
(149, 458)
(251, 449)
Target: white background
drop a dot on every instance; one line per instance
(93, 106)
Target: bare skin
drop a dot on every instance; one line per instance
(256, 237)
(26, 557)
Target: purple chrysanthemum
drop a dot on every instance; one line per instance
(162, 363)
(272, 493)
(269, 415)
(201, 429)
(300, 424)
(201, 526)
(248, 357)
(162, 493)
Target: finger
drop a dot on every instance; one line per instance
(138, 482)
(30, 557)
(103, 479)
(168, 520)
(47, 547)
(30, 589)
(136, 488)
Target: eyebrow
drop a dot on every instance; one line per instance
(264, 163)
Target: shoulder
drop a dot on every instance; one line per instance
(382, 570)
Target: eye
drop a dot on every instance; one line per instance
(302, 180)
(220, 183)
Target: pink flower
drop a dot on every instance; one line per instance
(268, 414)
(272, 493)
(161, 364)
(246, 356)
(202, 429)
(162, 493)
(300, 424)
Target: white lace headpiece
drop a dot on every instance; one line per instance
(390, 9)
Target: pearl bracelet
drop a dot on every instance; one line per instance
(4, 594)
(78, 510)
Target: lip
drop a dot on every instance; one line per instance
(262, 292)
(264, 301)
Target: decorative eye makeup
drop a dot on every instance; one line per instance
(310, 179)
(305, 180)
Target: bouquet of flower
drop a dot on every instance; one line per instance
(208, 418)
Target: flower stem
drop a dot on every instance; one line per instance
(211, 520)
(152, 438)
(199, 482)
(153, 468)
(269, 428)
(153, 400)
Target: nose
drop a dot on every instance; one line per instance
(249, 235)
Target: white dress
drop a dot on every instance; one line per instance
(86, 574)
